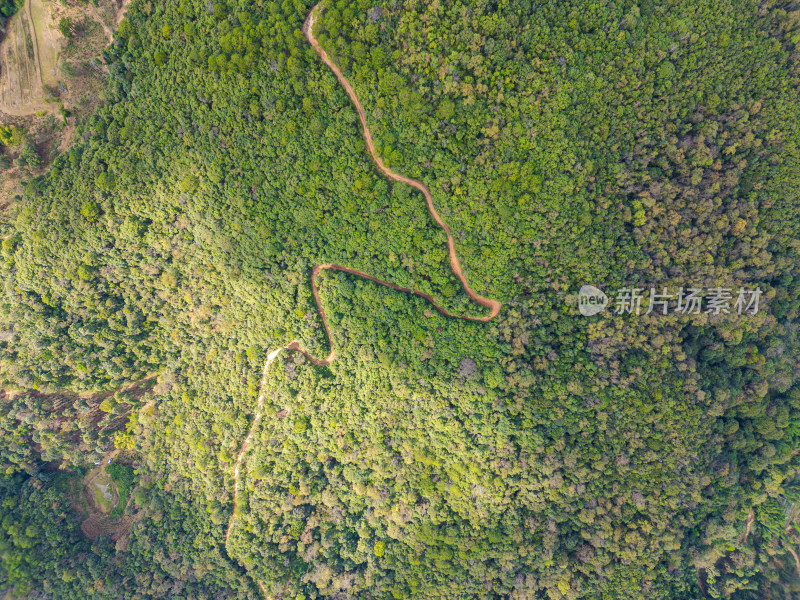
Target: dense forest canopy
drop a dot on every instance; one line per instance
(542, 454)
(7, 10)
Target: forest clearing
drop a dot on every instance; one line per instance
(29, 61)
(98, 497)
(104, 496)
(51, 78)
(100, 490)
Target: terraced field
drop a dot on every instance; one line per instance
(28, 60)
(100, 496)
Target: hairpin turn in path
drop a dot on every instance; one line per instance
(493, 305)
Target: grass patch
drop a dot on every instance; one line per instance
(123, 476)
(46, 41)
(102, 493)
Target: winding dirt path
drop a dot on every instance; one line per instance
(109, 33)
(796, 559)
(246, 442)
(455, 265)
(121, 12)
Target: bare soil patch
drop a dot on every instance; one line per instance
(28, 61)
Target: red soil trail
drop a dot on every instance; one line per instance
(455, 265)
(334, 267)
(493, 305)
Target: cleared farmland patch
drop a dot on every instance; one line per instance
(29, 60)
